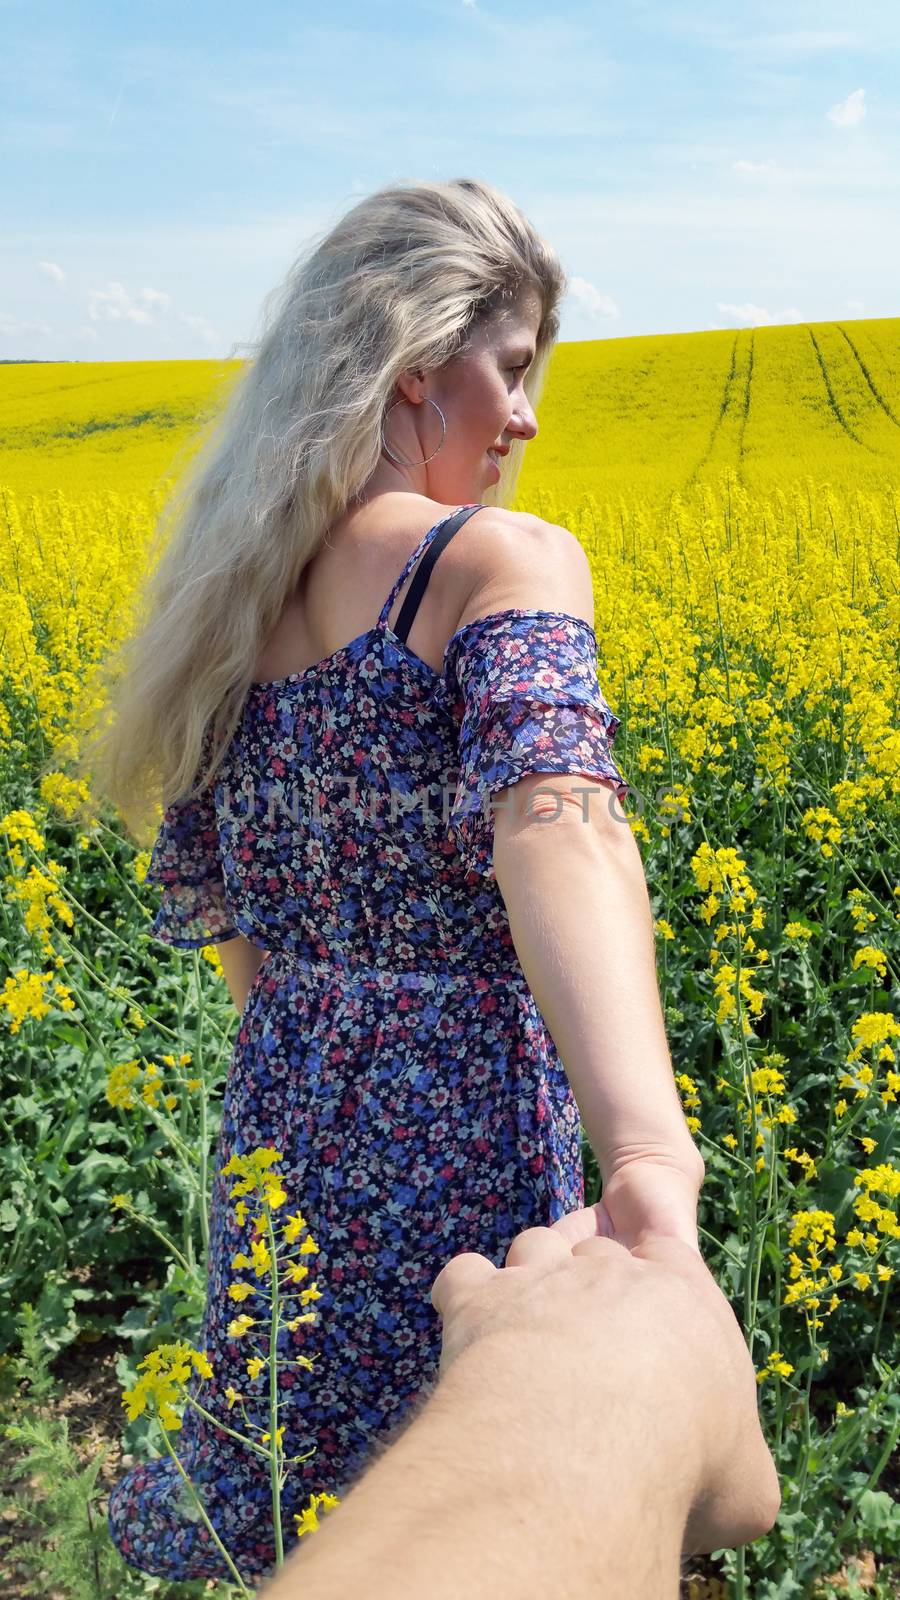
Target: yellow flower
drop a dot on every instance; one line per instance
(279, 1435)
(240, 1291)
(201, 1363)
(255, 1365)
(871, 956)
(307, 1520)
(240, 1325)
(262, 1260)
(231, 1395)
(293, 1227)
(164, 1373)
(252, 1164)
(118, 1084)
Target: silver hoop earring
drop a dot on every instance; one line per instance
(387, 449)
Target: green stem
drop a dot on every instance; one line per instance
(202, 1510)
(187, 1222)
(273, 1396)
(807, 1436)
(884, 1294)
(139, 1216)
(241, 1437)
(873, 1477)
(854, 1432)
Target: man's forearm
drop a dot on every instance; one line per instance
(582, 925)
(494, 1490)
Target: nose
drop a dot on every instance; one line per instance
(523, 422)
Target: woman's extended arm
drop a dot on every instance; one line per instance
(575, 892)
(580, 919)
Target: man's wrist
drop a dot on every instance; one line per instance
(502, 1484)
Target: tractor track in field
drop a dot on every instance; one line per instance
(26, 440)
(832, 398)
(745, 410)
(876, 395)
(723, 408)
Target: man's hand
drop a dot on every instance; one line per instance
(654, 1315)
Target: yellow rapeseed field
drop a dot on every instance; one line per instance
(738, 494)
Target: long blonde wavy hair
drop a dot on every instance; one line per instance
(403, 279)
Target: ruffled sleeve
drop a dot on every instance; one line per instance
(525, 692)
(186, 865)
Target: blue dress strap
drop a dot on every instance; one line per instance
(446, 528)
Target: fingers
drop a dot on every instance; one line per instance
(536, 1245)
(460, 1275)
(469, 1270)
(585, 1223)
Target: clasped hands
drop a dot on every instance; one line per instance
(621, 1288)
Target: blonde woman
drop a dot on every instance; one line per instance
(368, 695)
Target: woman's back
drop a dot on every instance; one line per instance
(344, 583)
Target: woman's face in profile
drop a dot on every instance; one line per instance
(481, 393)
(482, 396)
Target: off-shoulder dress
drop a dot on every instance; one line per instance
(389, 1047)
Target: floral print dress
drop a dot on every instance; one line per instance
(389, 1046)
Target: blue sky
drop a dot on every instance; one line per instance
(695, 166)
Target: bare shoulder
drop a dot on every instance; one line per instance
(512, 560)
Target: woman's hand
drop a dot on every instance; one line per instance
(649, 1197)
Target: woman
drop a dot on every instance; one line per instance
(360, 772)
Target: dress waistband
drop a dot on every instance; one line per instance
(348, 974)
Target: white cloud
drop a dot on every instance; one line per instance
(752, 316)
(115, 304)
(207, 332)
(850, 112)
(155, 297)
(855, 305)
(591, 299)
(753, 166)
(85, 333)
(53, 271)
(14, 327)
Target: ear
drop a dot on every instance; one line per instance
(411, 385)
